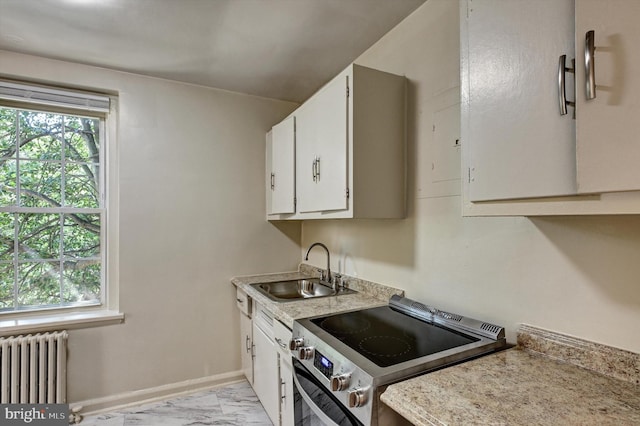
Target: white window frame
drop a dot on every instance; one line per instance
(27, 96)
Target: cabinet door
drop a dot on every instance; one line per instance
(286, 392)
(265, 373)
(246, 342)
(321, 149)
(282, 335)
(608, 148)
(281, 181)
(518, 145)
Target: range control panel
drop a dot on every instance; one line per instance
(323, 364)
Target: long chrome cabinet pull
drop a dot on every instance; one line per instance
(562, 93)
(589, 64)
(313, 168)
(273, 181)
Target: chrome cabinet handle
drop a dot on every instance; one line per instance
(589, 64)
(562, 93)
(283, 389)
(239, 300)
(273, 181)
(313, 168)
(247, 346)
(281, 343)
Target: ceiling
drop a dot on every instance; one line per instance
(283, 49)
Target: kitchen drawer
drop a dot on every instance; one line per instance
(282, 335)
(263, 319)
(243, 301)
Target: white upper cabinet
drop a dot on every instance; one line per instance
(281, 168)
(608, 126)
(349, 149)
(322, 148)
(519, 145)
(520, 155)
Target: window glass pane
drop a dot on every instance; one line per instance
(38, 283)
(82, 139)
(82, 186)
(7, 133)
(39, 236)
(82, 258)
(6, 285)
(7, 183)
(40, 184)
(81, 281)
(40, 135)
(81, 236)
(6, 237)
(49, 161)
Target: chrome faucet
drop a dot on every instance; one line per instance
(328, 276)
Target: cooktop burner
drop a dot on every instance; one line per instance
(385, 346)
(388, 337)
(345, 325)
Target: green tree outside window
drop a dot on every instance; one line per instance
(51, 210)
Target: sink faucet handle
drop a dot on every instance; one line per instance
(337, 280)
(321, 273)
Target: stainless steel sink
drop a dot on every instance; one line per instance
(284, 291)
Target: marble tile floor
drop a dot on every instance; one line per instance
(234, 404)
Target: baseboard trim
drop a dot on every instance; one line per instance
(158, 393)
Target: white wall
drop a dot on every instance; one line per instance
(192, 207)
(576, 275)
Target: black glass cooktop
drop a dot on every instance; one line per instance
(388, 337)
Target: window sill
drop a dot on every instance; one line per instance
(58, 321)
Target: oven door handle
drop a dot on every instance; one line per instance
(318, 412)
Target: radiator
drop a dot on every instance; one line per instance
(33, 369)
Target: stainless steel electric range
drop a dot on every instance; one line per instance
(343, 362)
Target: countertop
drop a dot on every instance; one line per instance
(548, 379)
(369, 295)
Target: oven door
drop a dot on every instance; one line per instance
(314, 404)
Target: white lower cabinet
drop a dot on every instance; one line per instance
(243, 302)
(272, 378)
(285, 368)
(265, 363)
(246, 346)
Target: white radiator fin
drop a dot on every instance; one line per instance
(33, 369)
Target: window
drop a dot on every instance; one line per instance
(52, 205)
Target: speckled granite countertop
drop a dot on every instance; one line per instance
(369, 295)
(549, 379)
